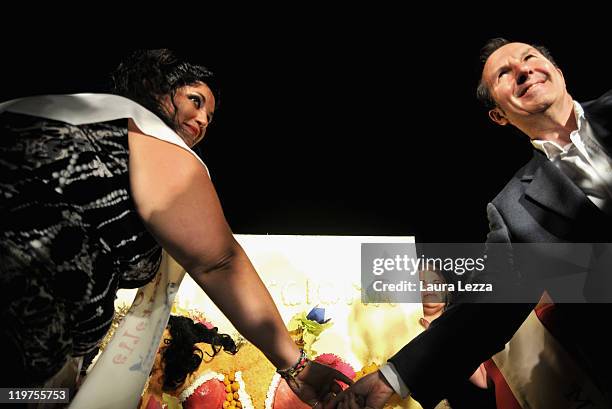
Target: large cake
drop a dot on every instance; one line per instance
(300, 272)
(247, 380)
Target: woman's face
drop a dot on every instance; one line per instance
(431, 299)
(191, 112)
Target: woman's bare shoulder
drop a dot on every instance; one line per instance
(159, 171)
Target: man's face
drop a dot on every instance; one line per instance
(522, 82)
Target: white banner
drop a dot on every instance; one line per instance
(122, 369)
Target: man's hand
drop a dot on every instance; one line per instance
(316, 384)
(370, 392)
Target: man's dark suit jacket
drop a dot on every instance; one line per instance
(539, 204)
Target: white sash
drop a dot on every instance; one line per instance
(79, 109)
(542, 375)
(118, 377)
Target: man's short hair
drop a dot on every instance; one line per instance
(482, 91)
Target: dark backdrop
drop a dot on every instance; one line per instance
(363, 126)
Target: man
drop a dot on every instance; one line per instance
(563, 195)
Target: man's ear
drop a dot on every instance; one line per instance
(562, 76)
(498, 116)
(560, 72)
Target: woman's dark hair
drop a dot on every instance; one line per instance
(182, 357)
(147, 75)
(492, 45)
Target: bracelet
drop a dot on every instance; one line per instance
(291, 372)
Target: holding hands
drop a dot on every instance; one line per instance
(314, 383)
(371, 392)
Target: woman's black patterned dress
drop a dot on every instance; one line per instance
(69, 238)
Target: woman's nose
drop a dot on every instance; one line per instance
(202, 121)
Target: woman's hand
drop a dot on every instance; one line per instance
(316, 384)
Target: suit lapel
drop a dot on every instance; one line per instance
(599, 115)
(552, 189)
(555, 194)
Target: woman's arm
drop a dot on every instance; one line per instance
(179, 205)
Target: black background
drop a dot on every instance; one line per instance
(332, 123)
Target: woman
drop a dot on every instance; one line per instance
(91, 188)
(435, 300)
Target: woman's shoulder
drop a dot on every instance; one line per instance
(160, 173)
